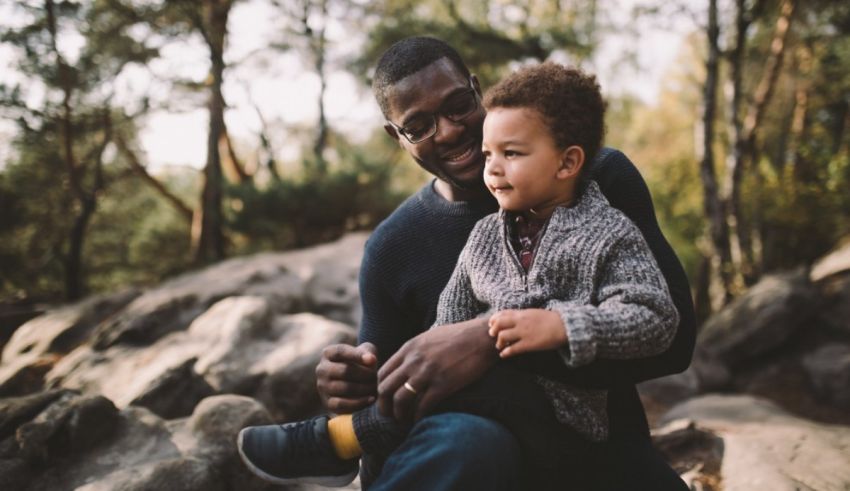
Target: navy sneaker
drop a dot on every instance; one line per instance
(295, 453)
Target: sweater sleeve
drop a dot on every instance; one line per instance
(633, 315)
(384, 321)
(624, 187)
(457, 301)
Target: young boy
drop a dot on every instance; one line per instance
(556, 268)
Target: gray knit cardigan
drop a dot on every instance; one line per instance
(593, 267)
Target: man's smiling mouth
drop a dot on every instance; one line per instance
(461, 154)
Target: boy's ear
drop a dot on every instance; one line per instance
(572, 160)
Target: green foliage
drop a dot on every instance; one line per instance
(489, 34)
(357, 192)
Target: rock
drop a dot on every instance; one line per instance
(37, 345)
(63, 329)
(281, 278)
(761, 320)
(835, 304)
(694, 452)
(836, 262)
(180, 474)
(766, 448)
(15, 411)
(71, 424)
(214, 427)
(828, 369)
(232, 348)
(289, 389)
(176, 392)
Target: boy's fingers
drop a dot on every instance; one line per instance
(506, 338)
(514, 349)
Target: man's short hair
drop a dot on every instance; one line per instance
(569, 100)
(406, 57)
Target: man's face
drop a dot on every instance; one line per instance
(453, 153)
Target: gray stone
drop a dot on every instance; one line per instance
(176, 392)
(761, 320)
(828, 370)
(15, 411)
(36, 346)
(766, 448)
(71, 424)
(287, 280)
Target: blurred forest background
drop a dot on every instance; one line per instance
(746, 148)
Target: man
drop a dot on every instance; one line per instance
(431, 104)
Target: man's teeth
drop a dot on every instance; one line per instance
(460, 156)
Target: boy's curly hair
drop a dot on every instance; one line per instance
(569, 100)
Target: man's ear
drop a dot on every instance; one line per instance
(476, 85)
(392, 132)
(572, 160)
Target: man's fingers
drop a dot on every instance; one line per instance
(387, 389)
(404, 402)
(341, 388)
(394, 362)
(368, 354)
(426, 402)
(342, 353)
(341, 405)
(349, 372)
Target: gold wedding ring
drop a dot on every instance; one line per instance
(410, 388)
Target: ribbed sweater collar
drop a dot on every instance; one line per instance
(433, 201)
(589, 204)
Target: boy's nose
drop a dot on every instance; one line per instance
(492, 166)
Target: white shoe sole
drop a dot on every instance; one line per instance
(329, 481)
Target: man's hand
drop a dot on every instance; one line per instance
(346, 377)
(436, 364)
(521, 331)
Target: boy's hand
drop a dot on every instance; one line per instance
(521, 331)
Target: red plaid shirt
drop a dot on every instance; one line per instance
(524, 236)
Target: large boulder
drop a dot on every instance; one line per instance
(761, 320)
(291, 282)
(232, 348)
(764, 447)
(828, 370)
(36, 345)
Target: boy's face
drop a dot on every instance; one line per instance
(524, 167)
(453, 153)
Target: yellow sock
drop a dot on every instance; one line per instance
(343, 439)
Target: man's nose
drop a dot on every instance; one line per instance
(447, 130)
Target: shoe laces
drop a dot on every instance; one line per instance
(303, 437)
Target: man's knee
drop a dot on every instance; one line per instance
(454, 451)
(471, 439)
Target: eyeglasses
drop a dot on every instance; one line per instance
(458, 107)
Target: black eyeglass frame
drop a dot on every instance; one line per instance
(433, 131)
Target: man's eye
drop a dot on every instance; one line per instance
(460, 106)
(416, 129)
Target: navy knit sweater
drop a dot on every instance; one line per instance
(411, 255)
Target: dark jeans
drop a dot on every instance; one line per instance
(506, 396)
(500, 433)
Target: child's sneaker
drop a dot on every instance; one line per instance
(295, 452)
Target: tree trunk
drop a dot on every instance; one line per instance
(745, 145)
(208, 236)
(712, 205)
